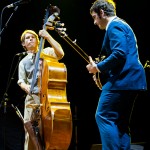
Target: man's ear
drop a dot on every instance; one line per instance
(101, 13)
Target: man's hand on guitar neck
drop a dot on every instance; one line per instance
(92, 67)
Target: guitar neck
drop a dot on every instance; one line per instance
(75, 46)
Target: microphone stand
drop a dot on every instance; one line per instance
(5, 98)
(2, 29)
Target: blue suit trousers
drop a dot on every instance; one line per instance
(113, 117)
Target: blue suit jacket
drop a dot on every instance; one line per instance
(122, 62)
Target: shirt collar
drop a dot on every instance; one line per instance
(110, 20)
(31, 55)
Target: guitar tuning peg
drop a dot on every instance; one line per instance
(75, 41)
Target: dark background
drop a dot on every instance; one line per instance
(82, 92)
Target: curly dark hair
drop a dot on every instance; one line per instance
(108, 6)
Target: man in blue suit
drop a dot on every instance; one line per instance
(126, 76)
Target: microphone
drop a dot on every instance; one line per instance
(21, 54)
(20, 2)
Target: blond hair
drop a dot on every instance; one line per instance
(29, 31)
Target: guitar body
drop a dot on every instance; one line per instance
(55, 110)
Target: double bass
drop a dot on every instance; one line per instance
(55, 109)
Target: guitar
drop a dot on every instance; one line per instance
(59, 28)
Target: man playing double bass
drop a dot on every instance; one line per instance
(30, 42)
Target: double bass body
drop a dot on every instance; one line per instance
(55, 110)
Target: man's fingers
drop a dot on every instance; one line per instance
(91, 60)
(94, 77)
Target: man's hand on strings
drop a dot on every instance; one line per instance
(92, 67)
